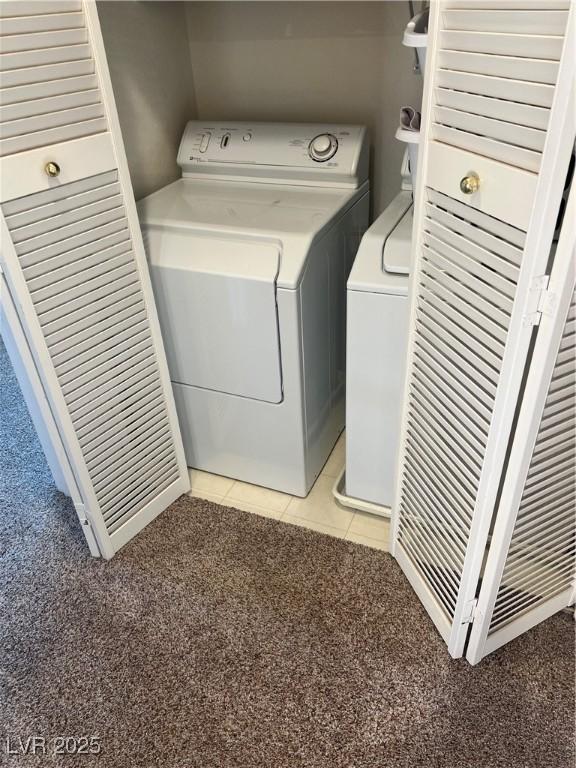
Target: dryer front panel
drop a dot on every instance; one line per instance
(216, 301)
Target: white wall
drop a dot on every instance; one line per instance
(308, 61)
(148, 55)
(292, 61)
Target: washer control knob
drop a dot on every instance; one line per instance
(323, 147)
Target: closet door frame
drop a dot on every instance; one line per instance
(557, 150)
(554, 312)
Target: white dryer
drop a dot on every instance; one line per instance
(378, 315)
(249, 253)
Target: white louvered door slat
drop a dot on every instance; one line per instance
(75, 265)
(48, 44)
(531, 567)
(23, 8)
(508, 116)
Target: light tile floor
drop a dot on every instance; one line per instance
(318, 511)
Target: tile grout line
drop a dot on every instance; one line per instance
(350, 524)
(232, 499)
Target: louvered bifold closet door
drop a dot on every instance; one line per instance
(498, 109)
(75, 267)
(531, 563)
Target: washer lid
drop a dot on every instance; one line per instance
(247, 208)
(368, 271)
(287, 215)
(397, 252)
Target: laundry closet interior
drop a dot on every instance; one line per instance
(285, 63)
(281, 272)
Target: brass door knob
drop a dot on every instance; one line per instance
(470, 184)
(52, 170)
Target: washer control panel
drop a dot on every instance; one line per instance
(329, 155)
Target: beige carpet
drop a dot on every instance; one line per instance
(218, 639)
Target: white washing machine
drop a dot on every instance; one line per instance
(377, 339)
(249, 254)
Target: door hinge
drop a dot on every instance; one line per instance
(470, 611)
(541, 301)
(82, 516)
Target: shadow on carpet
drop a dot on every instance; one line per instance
(219, 639)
